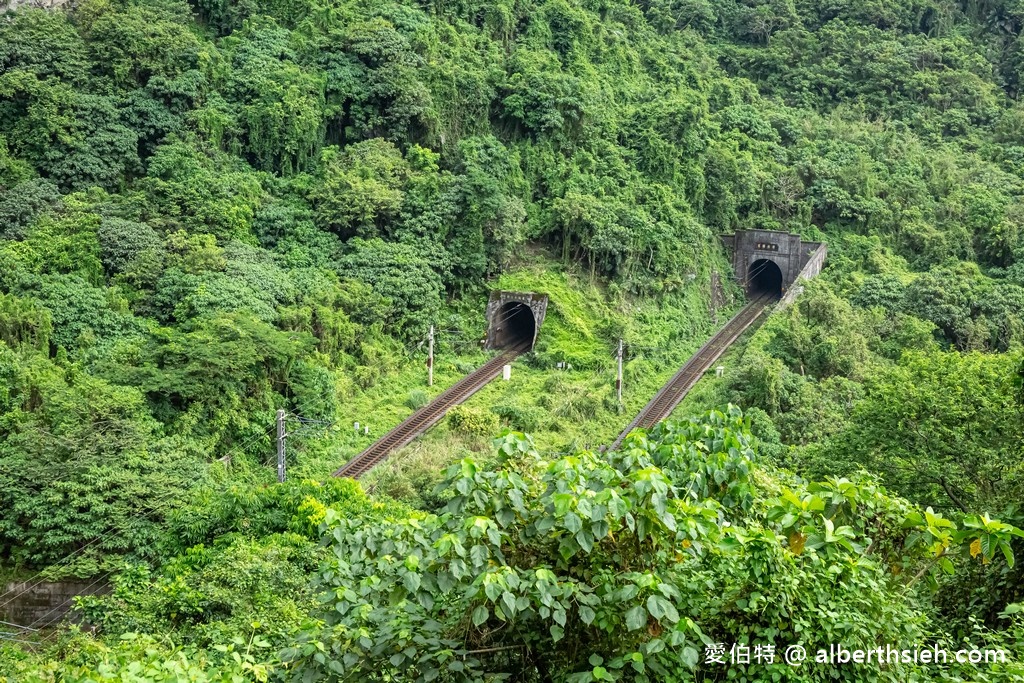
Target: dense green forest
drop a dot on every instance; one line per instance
(215, 209)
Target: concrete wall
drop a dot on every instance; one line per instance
(43, 604)
(815, 262)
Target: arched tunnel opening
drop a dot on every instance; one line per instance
(513, 325)
(764, 277)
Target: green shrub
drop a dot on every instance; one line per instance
(682, 538)
(519, 417)
(465, 367)
(293, 507)
(472, 421)
(417, 399)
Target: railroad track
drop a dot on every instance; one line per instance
(665, 401)
(429, 415)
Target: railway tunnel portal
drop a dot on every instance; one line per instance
(514, 319)
(771, 261)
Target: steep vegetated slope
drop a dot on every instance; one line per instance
(210, 211)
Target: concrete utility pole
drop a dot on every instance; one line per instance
(430, 359)
(618, 376)
(280, 445)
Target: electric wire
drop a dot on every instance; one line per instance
(35, 580)
(58, 609)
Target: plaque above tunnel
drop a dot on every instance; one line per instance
(514, 319)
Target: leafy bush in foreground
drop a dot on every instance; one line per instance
(625, 566)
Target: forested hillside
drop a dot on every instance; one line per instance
(212, 210)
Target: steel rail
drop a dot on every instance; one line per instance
(429, 415)
(670, 395)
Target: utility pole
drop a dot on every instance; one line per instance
(618, 376)
(430, 359)
(280, 445)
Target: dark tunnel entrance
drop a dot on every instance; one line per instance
(764, 277)
(513, 325)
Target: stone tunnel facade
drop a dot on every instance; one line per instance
(773, 261)
(514, 318)
(11, 5)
